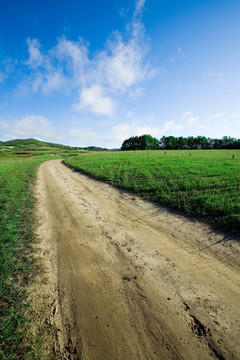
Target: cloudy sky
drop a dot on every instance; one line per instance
(96, 72)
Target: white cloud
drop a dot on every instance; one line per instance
(171, 125)
(29, 126)
(73, 58)
(94, 99)
(191, 120)
(123, 12)
(188, 118)
(7, 67)
(207, 73)
(2, 77)
(180, 54)
(235, 115)
(139, 7)
(122, 67)
(225, 120)
(45, 82)
(85, 136)
(217, 116)
(95, 80)
(52, 81)
(30, 85)
(36, 59)
(121, 132)
(211, 74)
(194, 85)
(219, 77)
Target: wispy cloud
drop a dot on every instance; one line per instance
(139, 7)
(2, 77)
(217, 116)
(7, 67)
(180, 54)
(194, 85)
(35, 59)
(188, 118)
(171, 125)
(212, 74)
(225, 118)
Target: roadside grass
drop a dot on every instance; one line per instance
(201, 183)
(17, 174)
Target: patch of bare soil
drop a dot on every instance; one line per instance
(126, 279)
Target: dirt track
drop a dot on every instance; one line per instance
(127, 279)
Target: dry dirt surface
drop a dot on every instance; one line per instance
(126, 279)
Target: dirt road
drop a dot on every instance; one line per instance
(127, 279)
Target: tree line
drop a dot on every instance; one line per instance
(147, 142)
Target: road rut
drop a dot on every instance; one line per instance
(127, 279)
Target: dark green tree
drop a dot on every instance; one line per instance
(144, 142)
(181, 143)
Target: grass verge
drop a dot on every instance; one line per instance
(16, 214)
(203, 184)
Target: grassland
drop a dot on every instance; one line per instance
(17, 174)
(203, 184)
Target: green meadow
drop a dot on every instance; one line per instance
(204, 184)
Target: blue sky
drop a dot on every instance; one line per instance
(97, 72)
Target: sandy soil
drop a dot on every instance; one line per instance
(126, 279)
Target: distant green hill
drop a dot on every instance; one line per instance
(33, 144)
(23, 143)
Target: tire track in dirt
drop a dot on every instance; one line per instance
(131, 280)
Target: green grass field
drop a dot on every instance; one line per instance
(205, 184)
(17, 174)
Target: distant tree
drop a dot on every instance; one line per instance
(130, 144)
(210, 143)
(228, 142)
(162, 143)
(144, 142)
(204, 142)
(218, 143)
(147, 142)
(190, 142)
(181, 143)
(170, 143)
